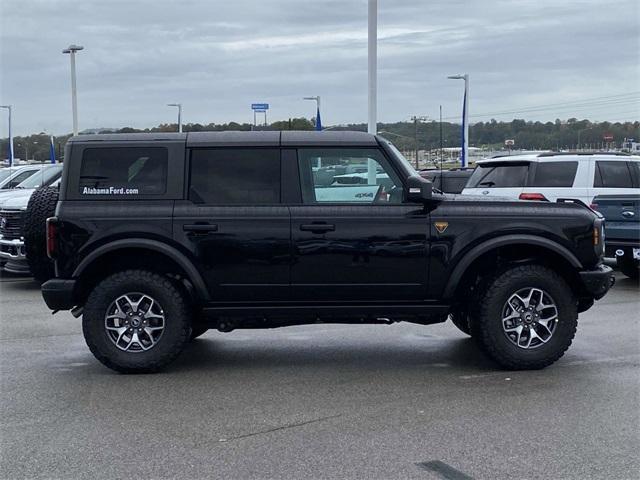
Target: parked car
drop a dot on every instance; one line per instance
(158, 237)
(11, 177)
(622, 230)
(13, 214)
(448, 181)
(550, 176)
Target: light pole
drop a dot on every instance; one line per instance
(372, 70)
(317, 100)
(416, 119)
(71, 50)
(372, 57)
(464, 157)
(179, 105)
(8, 107)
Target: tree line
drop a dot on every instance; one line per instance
(558, 135)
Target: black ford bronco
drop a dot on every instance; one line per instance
(159, 237)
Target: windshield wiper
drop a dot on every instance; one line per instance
(488, 184)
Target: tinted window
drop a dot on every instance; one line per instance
(612, 174)
(18, 179)
(351, 175)
(232, 176)
(635, 173)
(554, 174)
(494, 175)
(124, 171)
(454, 183)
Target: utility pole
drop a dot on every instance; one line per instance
(71, 50)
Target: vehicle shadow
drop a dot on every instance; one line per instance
(212, 353)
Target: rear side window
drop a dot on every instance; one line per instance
(454, 183)
(235, 176)
(612, 174)
(554, 174)
(496, 175)
(124, 171)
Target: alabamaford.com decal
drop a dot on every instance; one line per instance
(110, 191)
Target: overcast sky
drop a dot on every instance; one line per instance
(217, 57)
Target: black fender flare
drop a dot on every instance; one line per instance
(144, 243)
(475, 252)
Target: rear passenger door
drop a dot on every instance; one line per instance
(558, 179)
(234, 224)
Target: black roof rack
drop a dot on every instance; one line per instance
(559, 154)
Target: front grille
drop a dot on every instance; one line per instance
(11, 223)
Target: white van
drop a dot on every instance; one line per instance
(549, 176)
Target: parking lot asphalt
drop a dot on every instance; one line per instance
(319, 401)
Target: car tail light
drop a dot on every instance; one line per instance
(533, 196)
(52, 237)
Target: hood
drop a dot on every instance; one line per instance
(16, 199)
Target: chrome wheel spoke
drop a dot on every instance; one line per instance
(529, 317)
(134, 322)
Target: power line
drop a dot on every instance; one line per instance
(595, 102)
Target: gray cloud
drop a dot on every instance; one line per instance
(216, 57)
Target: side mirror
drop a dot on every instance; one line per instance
(418, 189)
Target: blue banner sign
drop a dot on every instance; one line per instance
(260, 107)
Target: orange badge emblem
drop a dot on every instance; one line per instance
(441, 226)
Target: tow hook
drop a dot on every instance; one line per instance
(77, 311)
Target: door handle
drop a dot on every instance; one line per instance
(317, 227)
(628, 214)
(202, 228)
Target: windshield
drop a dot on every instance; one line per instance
(4, 173)
(43, 177)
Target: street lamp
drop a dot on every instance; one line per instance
(8, 107)
(464, 157)
(372, 58)
(71, 50)
(318, 121)
(179, 105)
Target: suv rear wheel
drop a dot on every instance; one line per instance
(527, 318)
(136, 321)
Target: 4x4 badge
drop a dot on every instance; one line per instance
(441, 226)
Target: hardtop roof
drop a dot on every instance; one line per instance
(241, 138)
(567, 156)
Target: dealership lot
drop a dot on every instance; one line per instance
(325, 401)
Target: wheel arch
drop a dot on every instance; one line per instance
(139, 251)
(538, 245)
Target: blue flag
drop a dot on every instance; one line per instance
(52, 150)
(463, 158)
(318, 121)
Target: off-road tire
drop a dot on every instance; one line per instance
(41, 206)
(177, 321)
(461, 320)
(197, 330)
(487, 328)
(628, 265)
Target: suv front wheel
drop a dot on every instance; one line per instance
(527, 317)
(136, 321)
